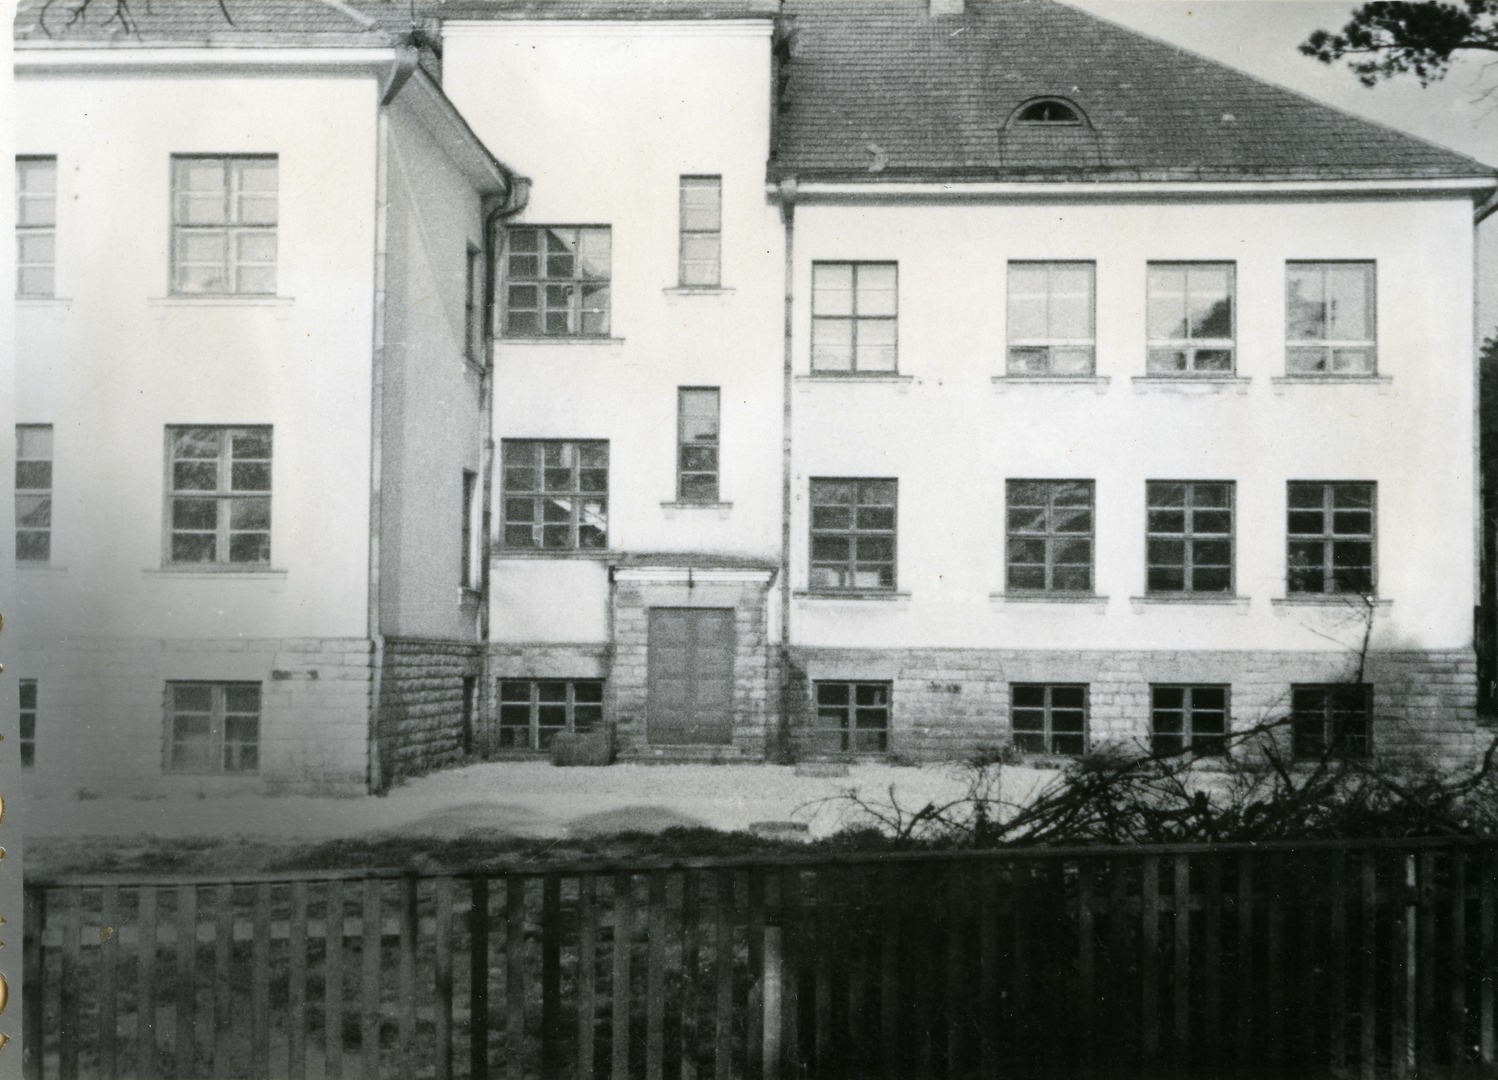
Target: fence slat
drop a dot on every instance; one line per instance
(1488, 908)
(1274, 967)
(1456, 979)
(754, 1037)
(889, 970)
(1212, 969)
(260, 990)
(988, 969)
(145, 1005)
(826, 923)
(1149, 956)
(624, 921)
(223, 980)
(1425, 964)
(691, 991)
(857, 890)
(442, 975)
(1401, 941)
(407, 976)
(478, 979)
(723, 946)
(587, 972)
(109, 947)
(655, 980)
(515, 976)
(1181, 976)
(1086, 990)
(332, 1031)
(184, 1034)
(1336, 1012)
(1121, 1027)
(551, 976)
(296, 991)
(1368, 967)
(33, 985)
(69, 1037)
(790, 972)
(369, 1010)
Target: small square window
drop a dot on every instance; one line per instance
(1049, 536)
(218, 495)
(224, 220)
(1333, 719)
(852, 717)
(1048, 719)
(532, 711)
(853, 534)
(853, 317)
(1329, 319)
(1190, 319)
(1188, 718)
(1051, 318)
(213, 727)
(555, 494)
(557, 281)
(1189, 537)
(1329, 536)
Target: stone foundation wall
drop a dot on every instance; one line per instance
(421, 707)
(102, 728)
(946, 703)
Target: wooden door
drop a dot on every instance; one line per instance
(690, 689)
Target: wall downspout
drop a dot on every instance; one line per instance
(787, 687)
(374, 773)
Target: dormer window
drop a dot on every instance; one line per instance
(1048, 111)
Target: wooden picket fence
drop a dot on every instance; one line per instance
(1357, 959)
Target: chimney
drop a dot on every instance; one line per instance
(946, 7)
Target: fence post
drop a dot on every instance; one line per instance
(478, 981)
(770, 1006)
(33, 988)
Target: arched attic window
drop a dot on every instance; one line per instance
(1047, 112)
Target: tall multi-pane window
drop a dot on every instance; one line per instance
(224, 213)
(469, 572)
(1329, 531)
(33, 493)
(853, 315)
(1190, 318)
(36, 226)
(532, 711)
(1051, 318)
(1329, 319)
(29, 706)
(556, 494)
(853, 534)
(852, 716)
(218, 501)
(213, 727)
(701, 231)
(1332, 719)
(697, 444)
(1048, 719)
(557, 281)
(1049, 536)
(1193, 718)
(1189, 539)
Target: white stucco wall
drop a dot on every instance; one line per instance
(605, 119)
(952, 437)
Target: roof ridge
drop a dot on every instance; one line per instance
(1280, 88)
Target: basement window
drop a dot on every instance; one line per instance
(532, 711)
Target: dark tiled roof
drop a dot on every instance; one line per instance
(631, 10)
(881, 90)
(188, 22)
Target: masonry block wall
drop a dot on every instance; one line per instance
(102, 723)
(949, 702)
(422, 721)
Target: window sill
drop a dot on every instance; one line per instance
(561, 339)
(698, 290)
(259, 573)
(893, 377)
(1280, 382)
(1098, 382)
(674, 509)
(219, 300)
(1139, 603)
(850, 594)
(43, 302)
(23, 567)
(1064, 599)
(1199, 384)
(1340, 601)
(588, 554)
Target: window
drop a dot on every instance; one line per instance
(224, 225)
(1049, 526)
(219, 503)
(1048, 719)
(1048, 111)
(1329, 318)
(213, 727)
(853, 316)
(1332, 720)
(852, 717)
(473, 305)
(28, 723)
(556, 494)
(532, 711)
(701, 230)
(1193, 718)
(1330, 537)
(33, 493)
(557, 281)
(470, 535)
(470, 710)
(697, 444)
(1190, 319)
(1189, 537)
(853, 534)
(1051, 312)
(36, 226)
